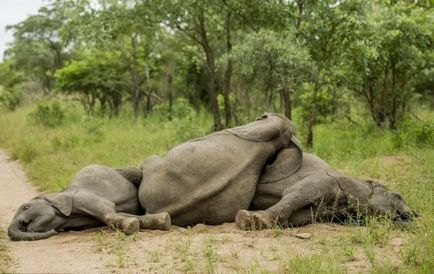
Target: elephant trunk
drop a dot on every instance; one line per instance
(16, 234)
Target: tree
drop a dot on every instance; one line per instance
(326, 29)
(38, 47)
(128, 28)
(393, 51)
(96, 79)
(279, 64)
(201, 22)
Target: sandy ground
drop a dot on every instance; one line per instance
(201, 249)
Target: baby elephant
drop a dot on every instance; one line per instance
(315, 192)
(97, 195)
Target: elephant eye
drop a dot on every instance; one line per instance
(26, 207)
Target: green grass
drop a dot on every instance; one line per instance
(403, 160)
(52, 156)
(116, 244)
(5, 259)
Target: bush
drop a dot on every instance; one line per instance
(181, 109)
(48, 115)
(25, 150)
(414, 134)
(10, 98)
(425, 134)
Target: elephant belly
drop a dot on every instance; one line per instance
(202, 183)
(201, 204)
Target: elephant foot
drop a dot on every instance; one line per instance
(160, 221)
(127, 225)
(264, 220)
(258, 220)
(244, 220)
(130, 226)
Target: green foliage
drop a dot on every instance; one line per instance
(48, 115)
(5, 259)
(391, 50)
(38, 47)
(10, 89)
(84, 140)
(180, 109)
(182, 118)
(420, 134)
(95, 78)
(10, 98)
(26, 150)
(233, 58)
(312, 264)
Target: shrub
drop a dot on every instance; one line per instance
(425, 134)
(48, 115)
(10, 98)
(181, 109)
(414, 134)
(25, 150)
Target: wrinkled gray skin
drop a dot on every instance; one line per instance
(316, 193)
(97, 195)
(208, 180)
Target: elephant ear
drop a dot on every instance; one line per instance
(61, 201)
(287, 162)
(265, 128)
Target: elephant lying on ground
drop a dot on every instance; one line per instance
(315, 192)
(208, 180)
(97, 195)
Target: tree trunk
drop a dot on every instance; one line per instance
(148, 108)
(309, 137)
(394, 110)
(286, 102)
(169, 86)
(228, 71)
(135, 89)
(300, 9)
(210, 66)
(311, 119)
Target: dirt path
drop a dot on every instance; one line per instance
(67, 252)
(201, 249)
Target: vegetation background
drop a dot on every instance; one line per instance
(112, 82)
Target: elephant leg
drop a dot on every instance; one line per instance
(132, 174)
(104, 210)
(160, 221)
(306, 216)
(313, 190)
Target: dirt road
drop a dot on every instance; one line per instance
(67, 252)
(212, 249)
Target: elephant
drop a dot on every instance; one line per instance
(315, 192)
(97, 195)
(209, 179)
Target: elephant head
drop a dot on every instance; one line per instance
(382, 201)
(372, 198)
(40, 217)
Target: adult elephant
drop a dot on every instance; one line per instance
(208, 180)
(315, 192)
(97, 196)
